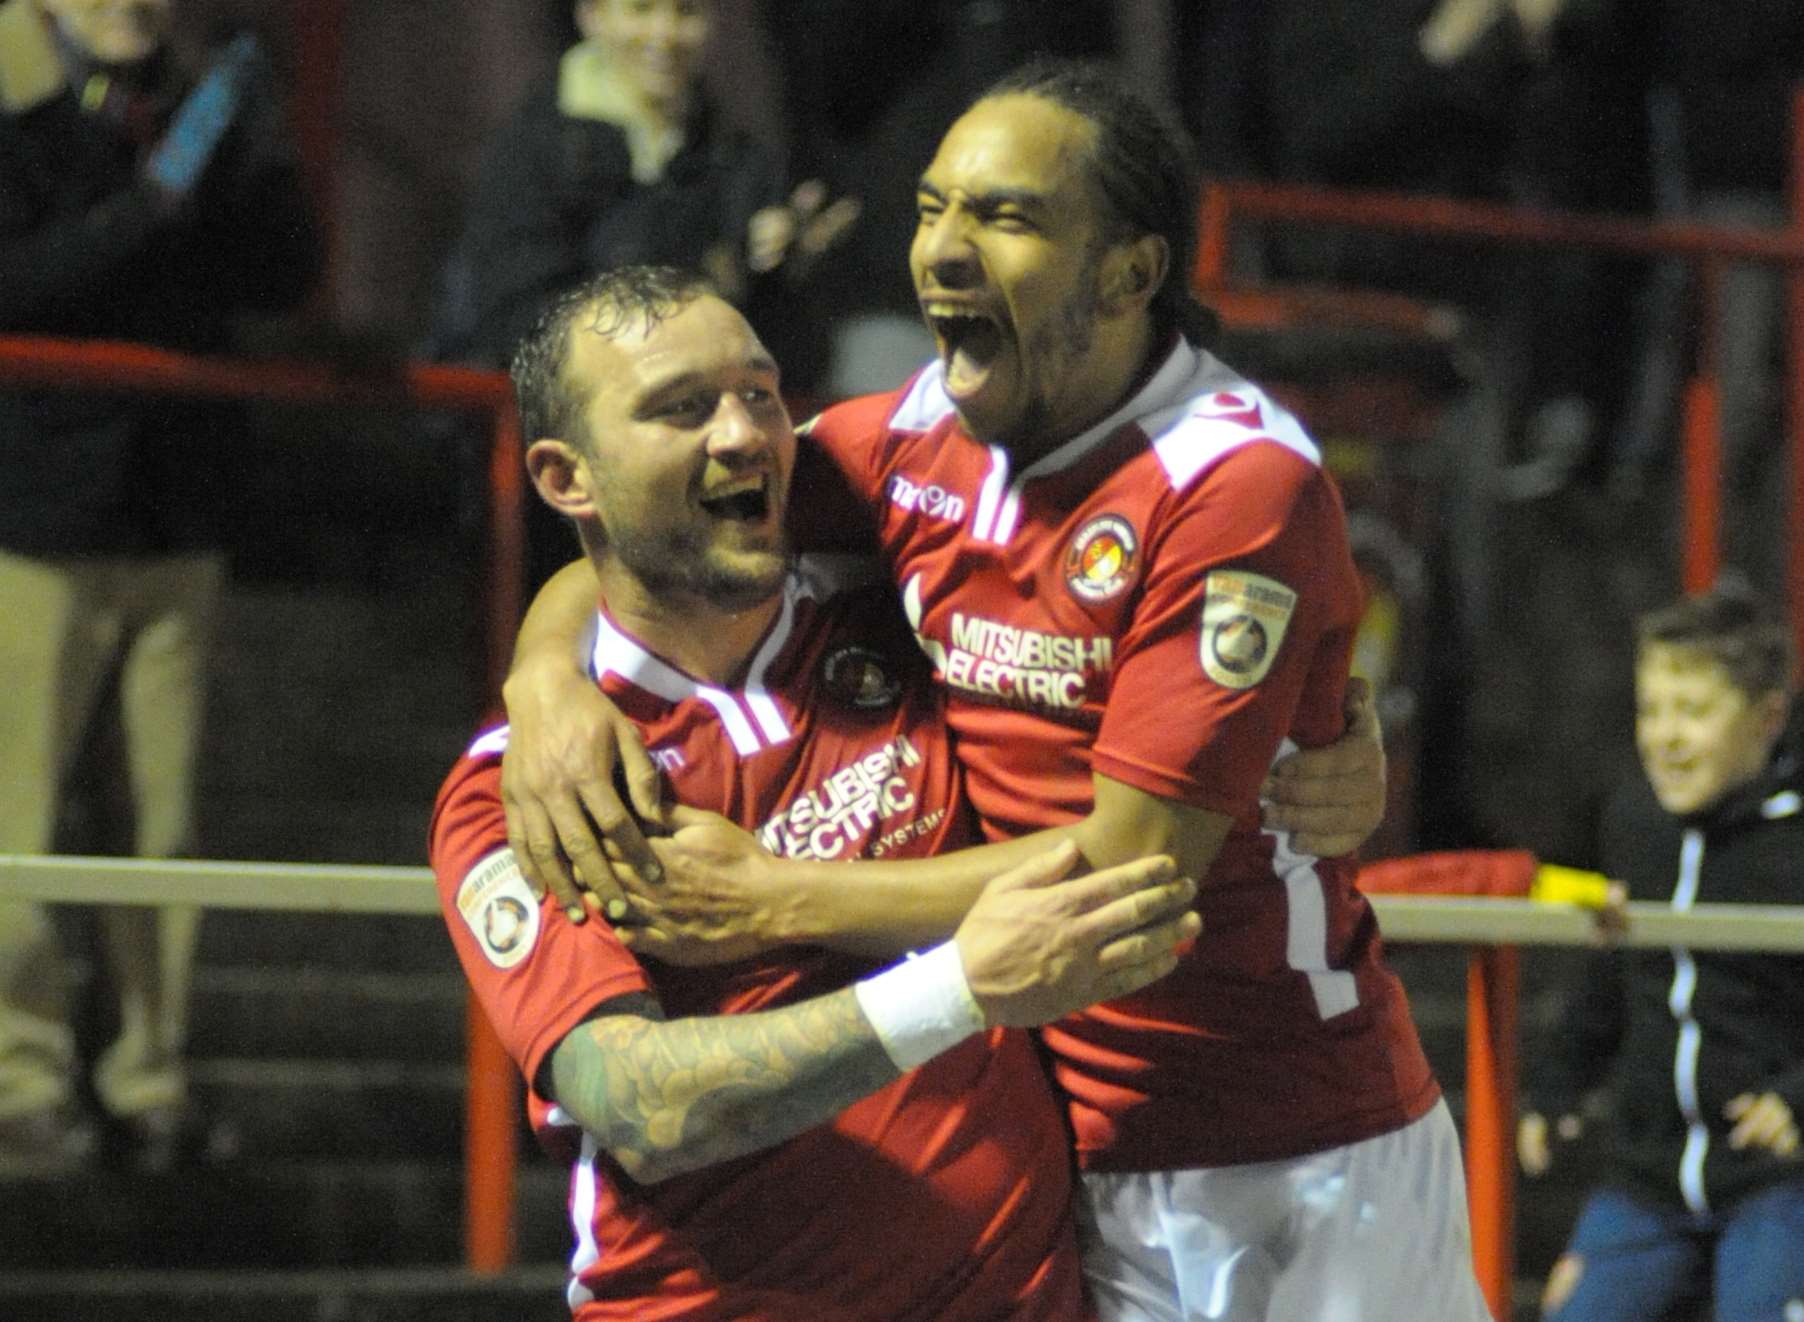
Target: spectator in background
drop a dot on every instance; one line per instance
(919, 64)
(1708, 1047)
(1533, 102)
(1723, 78)
(137, 202)
(622, 159)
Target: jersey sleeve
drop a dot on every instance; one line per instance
(536, 974)
(838, 477)
(1242, 635)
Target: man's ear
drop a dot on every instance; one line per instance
(562, 478)
(1133, 273)
(1775, 712)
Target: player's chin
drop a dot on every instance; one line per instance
(743, 578)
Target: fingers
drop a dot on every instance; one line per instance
(678, 816)
(822, 232)
(533, 838)
(1359, 707)
(1111, 918)
(1532, 1148)
(644, 782)
(1150, 946)
(1764, 1121)
(1119, 982)
(809, 196)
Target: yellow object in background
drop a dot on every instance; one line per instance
(1554, 884)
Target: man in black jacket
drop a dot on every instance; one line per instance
(1708, 1046)
(138, 202)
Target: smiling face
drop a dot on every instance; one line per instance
(112, 31)
(685, 466)
(656, 45)
(1013, 272)
(1700, 736)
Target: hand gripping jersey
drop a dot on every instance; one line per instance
(943, 1196)
(1167, 600)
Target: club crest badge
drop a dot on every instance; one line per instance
(1103, 559)
(498, 907)
(1244, 619)
(857, 677)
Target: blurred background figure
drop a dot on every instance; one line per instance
(621, 157)
(1720, 102)
(140, 199)
(1707, 1047)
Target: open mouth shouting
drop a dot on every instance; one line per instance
(744, 500)
(969, 342)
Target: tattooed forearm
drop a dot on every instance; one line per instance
(668, 1097)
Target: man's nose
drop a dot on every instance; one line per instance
(736, 432)
(944, 248)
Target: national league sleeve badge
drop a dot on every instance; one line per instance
(1244, 619)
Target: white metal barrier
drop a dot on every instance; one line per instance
(1491, 928)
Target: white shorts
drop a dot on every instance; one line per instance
(1376, 1231)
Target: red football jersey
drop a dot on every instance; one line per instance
(1168, 600)
(944, 1195)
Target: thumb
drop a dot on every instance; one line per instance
(680, 815)
(1045, 869)
(1357, 705)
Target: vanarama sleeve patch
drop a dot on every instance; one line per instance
(1244, 619)
(498, 905)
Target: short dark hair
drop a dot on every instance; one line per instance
(1732, 625)
(1144, 168)
(618, 298)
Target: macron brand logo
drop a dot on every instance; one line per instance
(932, 500)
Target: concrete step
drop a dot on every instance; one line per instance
(281, 1110)
(312, 1013)
(283, 943)
(435, 1294)
(267, 1214)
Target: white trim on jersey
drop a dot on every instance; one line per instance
(489, 743)
(582, 1220)
(989, 498)
(1174, 381)
(1306, 911)
(615, 653)
(1186, 411)
(1190, 436)
(926, 404)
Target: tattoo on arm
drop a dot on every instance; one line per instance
(666, 1097)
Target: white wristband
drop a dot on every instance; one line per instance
(920, 1007)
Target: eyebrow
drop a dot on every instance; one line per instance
(990, 199)
(762, 364)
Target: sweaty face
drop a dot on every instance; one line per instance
(691, 451)
(113, 31)
(1700, 736)
(656, 44)
(1005, 264)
